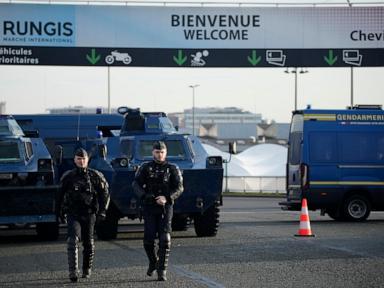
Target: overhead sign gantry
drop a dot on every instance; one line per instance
(142, 36)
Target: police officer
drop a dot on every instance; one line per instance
(84, 194)
(158, 184)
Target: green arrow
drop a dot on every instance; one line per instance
(254, 60)
(330, 59)
(93, 59)
(180, 60)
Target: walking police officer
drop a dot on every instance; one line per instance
(158, 184)
(84, 194)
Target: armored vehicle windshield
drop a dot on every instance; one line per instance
(9, 151)
(175, 148)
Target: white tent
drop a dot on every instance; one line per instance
(259, 160)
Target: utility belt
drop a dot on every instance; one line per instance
(155, 209)
(154, 190)
(83, 212)
(149, 199)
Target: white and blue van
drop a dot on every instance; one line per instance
(336, 161)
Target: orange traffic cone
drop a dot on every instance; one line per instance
(305, 226)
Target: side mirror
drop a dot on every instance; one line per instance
(58, 154)
(102, 151)
(232, 148)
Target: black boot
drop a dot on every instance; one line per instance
(151, 254)
(88, 255)
(163, 263)
(161, 275)
(164, 249)
(73, 258)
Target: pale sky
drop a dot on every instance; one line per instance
(268, 91)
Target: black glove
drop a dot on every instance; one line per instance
(149, 199)
(100, 218)
(63, 218)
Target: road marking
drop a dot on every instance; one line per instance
(247, 212)
(196, 277)
(177, 269)
(237, 212)
(351, 251)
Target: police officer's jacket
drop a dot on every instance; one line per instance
(83, 191)
(154, 179)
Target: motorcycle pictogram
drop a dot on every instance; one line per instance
(117, 56)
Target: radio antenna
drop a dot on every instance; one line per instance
(78, 125)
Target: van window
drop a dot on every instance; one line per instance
(380, 148)
(294, 149)
(295, 139)
(361, 147)
(323, 147)
(297, 123)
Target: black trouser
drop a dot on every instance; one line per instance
(157, 220)
(81, 228)
(158, 224)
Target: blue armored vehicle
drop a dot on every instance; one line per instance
(202, 174)
(27, 190)
(119, 144)
(64, 133)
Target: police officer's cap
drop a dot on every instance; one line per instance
(159, 145)
(80, 152)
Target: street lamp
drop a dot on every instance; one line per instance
(294, 71)
(193, 107)
(351, 87)
(109, 90)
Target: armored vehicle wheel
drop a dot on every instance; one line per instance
(356, 208)
(207, 224)
(180, 222)
(47, 231)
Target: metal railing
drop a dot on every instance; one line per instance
(263, 184)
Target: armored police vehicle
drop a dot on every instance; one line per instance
(336, 161)
(27, 193)
(119, 153)
(64, 133)
(202, 174)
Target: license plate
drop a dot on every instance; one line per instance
(6, 176)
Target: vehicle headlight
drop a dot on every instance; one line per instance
(22, 175)
(214, 162)
(44, 164)
(123, 162)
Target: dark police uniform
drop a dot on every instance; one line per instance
(84, 194)
(151, 180)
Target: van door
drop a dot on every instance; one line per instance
(295, 159)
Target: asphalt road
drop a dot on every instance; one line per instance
(255, 247)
